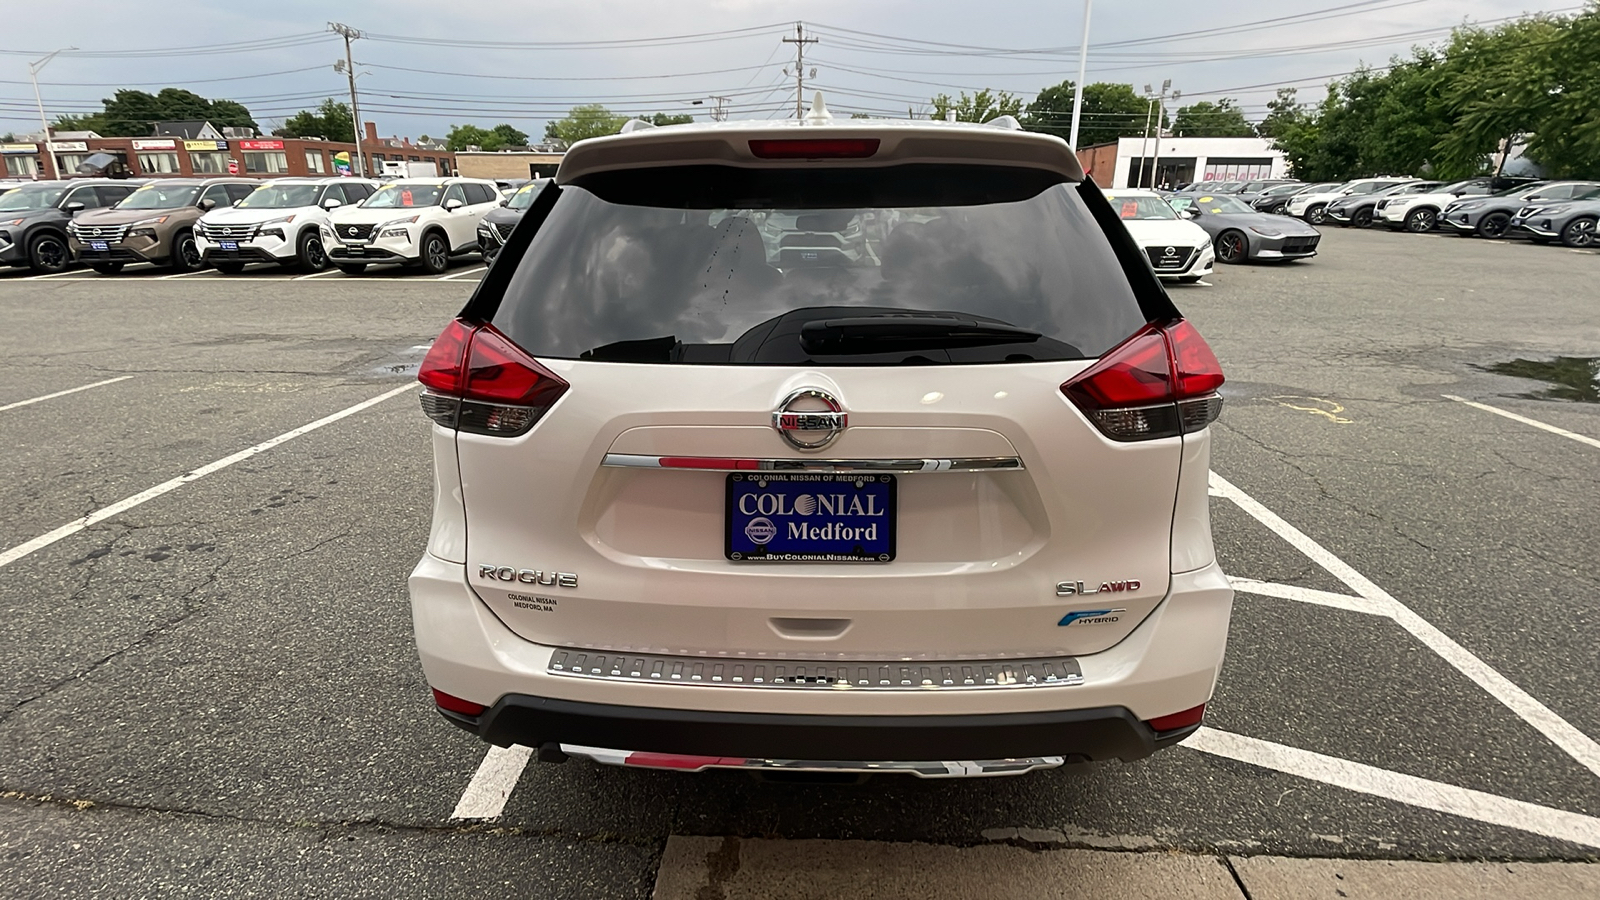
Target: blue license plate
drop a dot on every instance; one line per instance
(98, 245)
(810, 518)
(232, 246)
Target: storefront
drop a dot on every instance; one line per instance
(1132, 162)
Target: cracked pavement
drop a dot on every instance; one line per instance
(216, 692)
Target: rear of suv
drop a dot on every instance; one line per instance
(154, 224)
(420, 222)
(35, 216)
(279, 222)
(872, 447)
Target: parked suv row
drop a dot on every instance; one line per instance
(281, 222)
(154, 224)
(421, 221)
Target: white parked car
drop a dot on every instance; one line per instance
(1176, 248)
(1313, 206)
(712, 493)
(414, 221)
(280, 222)
(1419, 213)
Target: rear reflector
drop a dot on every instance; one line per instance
(1161, 382)
(456, 704)
(479, 381)
(817, 148)
(1178, 719)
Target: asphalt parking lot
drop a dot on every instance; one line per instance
(210, 685)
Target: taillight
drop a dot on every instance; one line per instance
(814, 148)
(1161, 382)
(478, 381)
(456, 704)
(1192, 716)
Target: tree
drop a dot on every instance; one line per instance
(331, 121)
(131, 113)
(1207, 119)
(580, 122)
(468, 137)
(509, 136)
(665, 119)
(980, 107)
(1284, 113)
(1110, 111)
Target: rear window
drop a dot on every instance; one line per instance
(916, 264)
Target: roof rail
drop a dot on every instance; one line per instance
(1009, 123)
(632, 125)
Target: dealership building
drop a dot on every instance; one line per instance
(1132, 162)
(197, 148)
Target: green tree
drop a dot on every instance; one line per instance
(1207, 119)
(1284, 113)
(580, 122)
(509, 136)
(666, 119)
(980, 107)
(331, 121)
(130, 113)
(1110, 111)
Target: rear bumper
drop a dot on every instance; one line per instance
(1168, 664)
(1074, 734)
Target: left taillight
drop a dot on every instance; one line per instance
(478, 381)
(1161, 382)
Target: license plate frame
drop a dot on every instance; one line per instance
(865, 506)
(229, 246)
(99, 246)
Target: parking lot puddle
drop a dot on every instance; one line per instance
(1574, 377)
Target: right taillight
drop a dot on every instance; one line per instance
(1161, 382)
(478, 381)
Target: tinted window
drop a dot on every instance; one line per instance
(84, 195)
(217, 193)
(112, 193)
(356, 191)
(454, 192)
(238, 191)
(719, 265)
(479, 193)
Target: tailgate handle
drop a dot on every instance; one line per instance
(807, 629)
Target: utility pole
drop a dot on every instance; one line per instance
(799, 41)
(1155, 178)
(44, 123)
(350, 34)
(720, 112)
(1083, 69)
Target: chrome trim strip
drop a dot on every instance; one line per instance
(804, 674)
(957, 464)
(964, 768)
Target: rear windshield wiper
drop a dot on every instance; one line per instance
(879, 334)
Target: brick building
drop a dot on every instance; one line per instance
(197, 149)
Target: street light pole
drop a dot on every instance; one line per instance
(1144, 144)
(1083, 68)
(350, 34)
(1155, 164)
(44, 123)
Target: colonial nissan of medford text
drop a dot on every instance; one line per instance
(861, 446)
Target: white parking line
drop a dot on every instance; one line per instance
(187, 274)
(486, 795)
(1309, 595)
(1407, 789)
(1575, 743)
(52, 275)
(167, 487)
(463, 272)
(1580, 438)
(327, 271)
(84, 387)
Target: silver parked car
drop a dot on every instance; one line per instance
(1242, 234)
(1573, 222)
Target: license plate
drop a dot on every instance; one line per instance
(98, 245)
(231, 246)
(810, 518)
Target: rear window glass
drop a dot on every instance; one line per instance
(916, 264)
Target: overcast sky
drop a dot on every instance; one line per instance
(866, 59)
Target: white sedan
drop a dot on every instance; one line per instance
(1178, 249)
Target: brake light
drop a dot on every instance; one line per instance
(815, 148)
(456, 704)
(479, 381)
(1192, 716)
(1161, 382)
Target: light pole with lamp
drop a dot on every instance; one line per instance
(1083, 68)
(33, 74)
(1155, 164)
(1144, 145)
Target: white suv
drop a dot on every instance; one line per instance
(279, 222)
(713, 491)
(1313, 207)
(414, 221)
